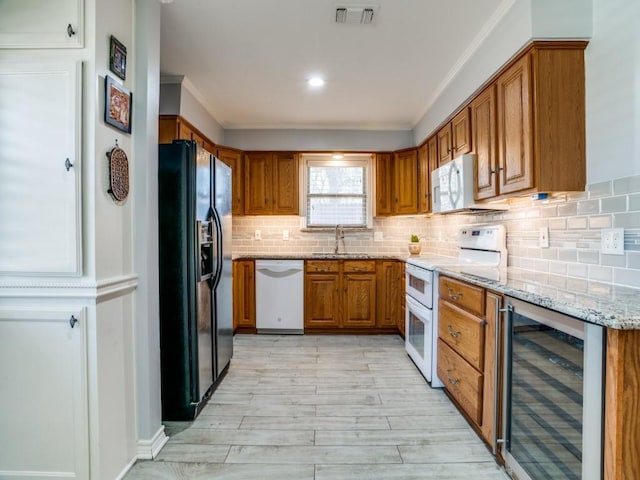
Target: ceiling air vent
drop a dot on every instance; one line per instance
(356, 14)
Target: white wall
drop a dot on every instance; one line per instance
(145, 188)
(192, 109)
(613, 91)
(332, 140)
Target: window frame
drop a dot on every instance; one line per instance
(348, 160)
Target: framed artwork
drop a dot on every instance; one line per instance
(118, 58)
(117, 105)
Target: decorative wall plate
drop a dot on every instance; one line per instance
(118, 173)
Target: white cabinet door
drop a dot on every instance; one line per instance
(43, 399)
(41, 23)
(40, 230)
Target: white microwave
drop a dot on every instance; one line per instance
(452, 185)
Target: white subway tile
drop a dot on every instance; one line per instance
(600, 274)
(600, 221)
(626, 185)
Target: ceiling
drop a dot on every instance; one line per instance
(249, 60)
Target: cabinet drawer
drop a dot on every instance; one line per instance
(322, 266)
(463, 332)
(354, 266)
(463, 382)
(462, 294)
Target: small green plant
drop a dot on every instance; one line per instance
(414, 238)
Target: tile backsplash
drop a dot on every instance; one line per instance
(575, 221)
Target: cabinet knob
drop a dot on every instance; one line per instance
(451, 332)
(452, 381)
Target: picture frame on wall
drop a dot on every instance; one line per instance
(117, 105)
(118, 58)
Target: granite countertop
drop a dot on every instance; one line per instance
(321, 256)
(605, 304)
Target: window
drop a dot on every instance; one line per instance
(336, 191)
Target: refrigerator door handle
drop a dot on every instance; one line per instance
(216, 267)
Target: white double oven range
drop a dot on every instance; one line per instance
(482, 251)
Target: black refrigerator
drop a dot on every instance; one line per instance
(196, 325)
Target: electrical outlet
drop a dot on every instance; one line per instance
(378, 237)
(612, 242)
(543, 239)
(257, 235)
(285, 234)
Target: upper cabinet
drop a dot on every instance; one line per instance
(40, 168)
(427, 162)
(271, 183)
(454, 138)
(397, 183)
(233, 158)
(541, 120)
(174, 127)
(42, 24)
(483, 123)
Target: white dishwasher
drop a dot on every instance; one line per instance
(280, 296)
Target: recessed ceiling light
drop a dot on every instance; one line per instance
(316, 81)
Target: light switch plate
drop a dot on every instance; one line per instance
(612, 242)
(285, 234)
(544, 237)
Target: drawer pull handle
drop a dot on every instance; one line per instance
(452, 333)
(452, 381)
(454, 296)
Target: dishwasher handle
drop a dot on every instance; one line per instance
(278, 268)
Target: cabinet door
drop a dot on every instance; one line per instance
(40, 169)
(321, 300)
(424, 179)
(388, 285)
(406, 182)
(257, 183)
(384, 184)
(401, 300)
(42, 24)
(461, 133)
(483, 123)
(244, 294)
(43, 405)
(285, 184)
(233, 158)
(445, 142)
(515, 146)
(491, 366)
(359, 300)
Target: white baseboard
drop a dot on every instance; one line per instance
(126, 469)
(149, 449)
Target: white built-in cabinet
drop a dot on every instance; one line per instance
(43, 399)
(40, 196)
(41, 23)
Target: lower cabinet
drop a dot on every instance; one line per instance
(244, 295)
(43, 357)
(353, 294)
(467, 316)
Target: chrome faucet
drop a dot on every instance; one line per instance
(339, 236)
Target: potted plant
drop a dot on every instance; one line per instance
(414, 245)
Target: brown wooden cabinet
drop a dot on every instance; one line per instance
(427, 163)
(244, 295)
(467, 316)
(397, 183)
(389, 293)
(340, 294)
(454, 138)
(541, 120)
(484, 140)
(401, 318)
(233, 158)
(384, 183)
(271, 183)
(174, 127)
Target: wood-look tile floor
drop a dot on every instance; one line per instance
(320, 407)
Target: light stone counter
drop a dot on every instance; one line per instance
(605, 304)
